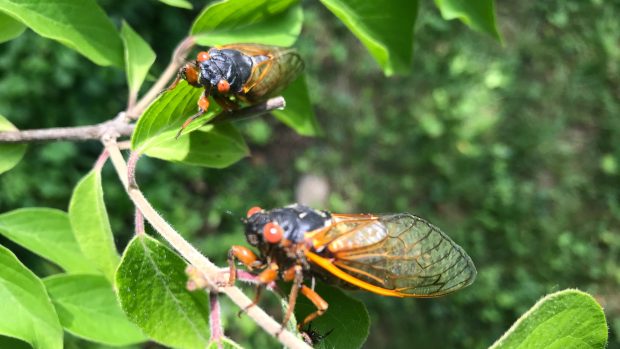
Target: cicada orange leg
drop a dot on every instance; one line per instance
(203, 105)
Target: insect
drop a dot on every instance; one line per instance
(397, 255)
(249, 73)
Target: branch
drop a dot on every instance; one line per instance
(210, 271)
(79, 133)
(119, 127)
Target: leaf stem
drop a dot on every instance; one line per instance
(215, 319)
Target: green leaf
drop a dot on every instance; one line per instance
(476, 14)
(46, 232)
(91, 226)
(298, 113)
(10, 28)
(165, 116)
(79, 24)
(384, 27)
(347, 317)
(139, 57)
(10, 154)
(216, 146)
(565, 319)
(178, 3)
(150, 283)
(27, 312)
(268, 22)
(87, 307)
(225, 343)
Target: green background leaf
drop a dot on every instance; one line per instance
(565, 319)
(87, 307)
(10, 28)
(151, 286)
(91, 226)
(384, 27)
(178, 3)
(216, 146)
(79, 24)
(139, 57)
(477, 14)
(10, 154)
(298, 113)
(164, 117)
(27, 312)
(347, 317)
(269, 22)
(46, 232)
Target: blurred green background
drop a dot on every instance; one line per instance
(513, 150)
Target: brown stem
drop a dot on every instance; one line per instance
(118, 127)
(79, 133)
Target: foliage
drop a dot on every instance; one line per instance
(565, 319)
(514, 151)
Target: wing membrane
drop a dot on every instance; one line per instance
(402, 254)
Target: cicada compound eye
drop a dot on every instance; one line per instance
(253, 210)
(202, 56)
(272, 233)
(223, 86)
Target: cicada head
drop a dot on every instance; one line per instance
(283, 224)
(190, 73)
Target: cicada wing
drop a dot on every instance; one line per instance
(272, 75)
(399, 255)
(252, 49)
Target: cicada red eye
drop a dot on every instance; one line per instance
(223, 86)
(202, 56)
(253, 210)
(272, 233)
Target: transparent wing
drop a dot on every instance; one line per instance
(273, 74)
(401, 253)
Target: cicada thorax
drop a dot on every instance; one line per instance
(294, 221)
(231, 66)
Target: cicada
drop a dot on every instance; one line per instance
(397, 255)
(248, 73)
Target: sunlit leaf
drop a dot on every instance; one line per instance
(565, 319)
(477, 14)
(178, 3)
(46, 232)
(165, 116)
(384, 27)
(269, 22)
(139, 57)
(27, 312)
(10, 154)
(298, 113)
(151, 287)
(79, 24)
(91, 226)
(224, 343)
(216, 146)
(87, 307)
(10, 28)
